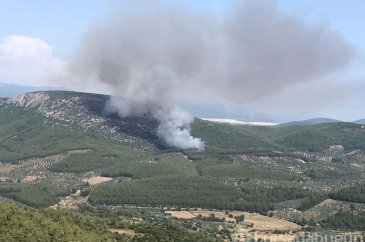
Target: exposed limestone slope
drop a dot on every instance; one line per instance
(86, 111)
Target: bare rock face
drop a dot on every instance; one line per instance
(29, 100)
(49, 107)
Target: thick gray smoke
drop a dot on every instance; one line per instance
(154, 53)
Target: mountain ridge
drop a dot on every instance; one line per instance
(10, 90)
(87, 110)
(360, 121)
(313, 121)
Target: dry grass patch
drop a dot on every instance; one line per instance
(30, 178)
(96, 180)
(264, 223)
(259, 222)
(182, 214)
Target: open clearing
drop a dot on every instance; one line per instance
(260, 222)
(275, 237)
(263, 223)
(182, 214)
(95, 180)
(30, 178)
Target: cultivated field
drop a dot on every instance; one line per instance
(260, 222)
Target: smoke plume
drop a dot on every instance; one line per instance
(154, 53)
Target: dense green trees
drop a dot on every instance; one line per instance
(35, 195)
(193, 191)
(351, 194)
(20, 224)
(345, 220)
(240, 218)
(169, 190)
(285, 138)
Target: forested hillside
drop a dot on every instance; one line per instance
(55, 144)
(22, 224)
(19, 223)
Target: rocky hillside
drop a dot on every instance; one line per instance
(87, 111)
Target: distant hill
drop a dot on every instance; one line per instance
(238, 122)
(9, 90)
(360, 121)
(225, 111)
(308, 122)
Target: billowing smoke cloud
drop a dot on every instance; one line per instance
(25, 60)
(154, 53)
(149, 91)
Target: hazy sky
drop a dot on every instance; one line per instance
(38, 37)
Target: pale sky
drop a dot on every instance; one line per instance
(37, 38)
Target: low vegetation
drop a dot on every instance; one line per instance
(345, 221)
(351, 194)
